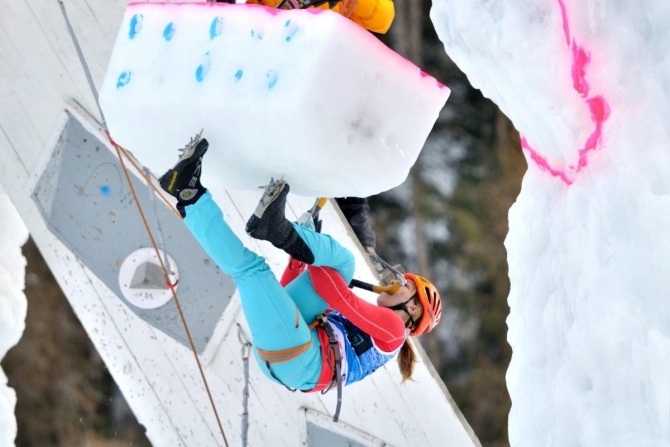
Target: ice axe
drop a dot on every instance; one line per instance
(306, 219)
(390, 289)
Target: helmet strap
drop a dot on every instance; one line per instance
(403, 306)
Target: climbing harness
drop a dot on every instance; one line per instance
(120, 152)
(284, 355)
(333, 356)
(334, 348)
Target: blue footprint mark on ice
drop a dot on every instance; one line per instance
(239, 74)
(216, 28)
(135, 25)
(257, 34)
(123, 79)
(203, 69)
(272, 79)
(168, 32)
(290, 29)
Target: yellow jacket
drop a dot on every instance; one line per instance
(373, 15)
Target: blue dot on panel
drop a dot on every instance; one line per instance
(168, 32)
(290, 31)
(239, 74)
(123, 79)
(272, 78)
(105, 190)
(135, 25)
(290, 36)
(203, 69)
(216, 28)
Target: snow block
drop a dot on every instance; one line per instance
(307, 95)
(536, 65)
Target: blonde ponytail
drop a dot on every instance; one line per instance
(406, 360)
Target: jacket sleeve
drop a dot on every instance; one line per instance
(374, 15)
(355, 209)
(385, 327)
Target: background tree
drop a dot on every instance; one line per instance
(448, 221)
(65, 394)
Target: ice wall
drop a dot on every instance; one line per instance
(586, 84)
(306, 95)
(13, 305)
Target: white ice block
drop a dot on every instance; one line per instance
(306, 95)
(587, 83)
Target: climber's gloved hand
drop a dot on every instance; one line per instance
(308, 221)
(305, 220)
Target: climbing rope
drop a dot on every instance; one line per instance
(246, 352)
(120, 152)
(161, 237)
(167, 281)
(148, 178)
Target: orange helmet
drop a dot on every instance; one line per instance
(431, 302)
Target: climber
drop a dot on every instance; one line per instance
(310, 326)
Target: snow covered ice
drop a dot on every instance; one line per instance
(13, 305)
(586, 84)
(304, 94)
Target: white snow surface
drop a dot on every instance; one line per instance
(586, 84)
(303, 94)
(13, 305)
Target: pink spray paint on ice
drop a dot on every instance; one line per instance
(598, 108)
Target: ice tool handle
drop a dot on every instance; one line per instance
(392, 289)
(307, 218)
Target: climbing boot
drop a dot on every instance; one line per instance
(269, 223)
(183, 180)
